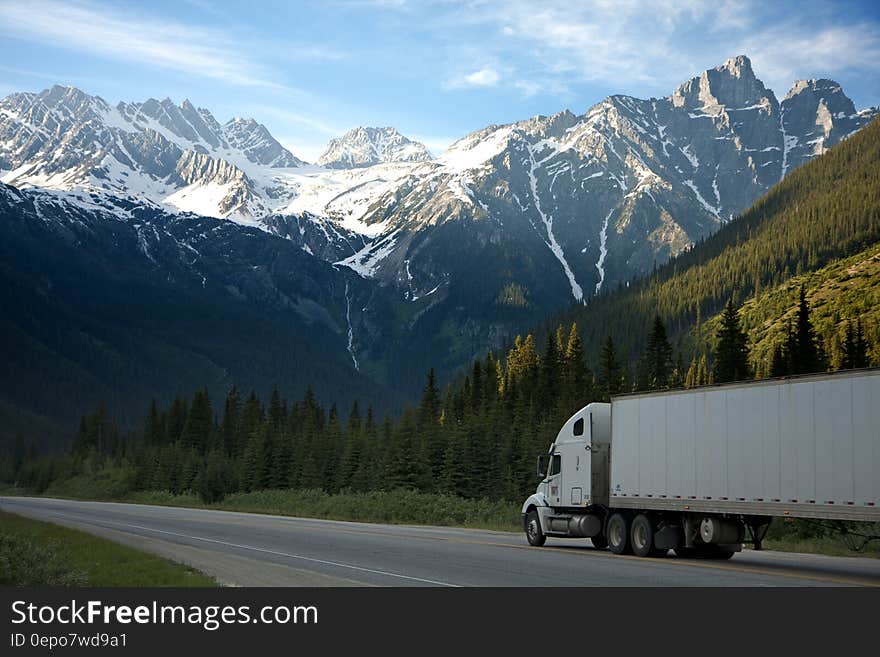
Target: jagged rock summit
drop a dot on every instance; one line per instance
(363, 147)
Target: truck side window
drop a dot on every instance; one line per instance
(556, 465)
(579, 427)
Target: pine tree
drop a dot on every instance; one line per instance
(577, 377)
(690, 379)
(778, 365)
(430, 449)
(367, 464)
(658, 356)
(561, 341)
(329, 450)
(176, 419)
(196, 433)
(251, 423)
(491, 382)
(523, 360)
(353, 451)
(154, 432)
(805, 357)
(703, 376)
(609, 369)
(231, 422)
(548, 387)
(732, 351)
(82, 441)
(848, 359)
(212, 479)
(860, 347)
(676, 378)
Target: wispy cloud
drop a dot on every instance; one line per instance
(173, 46)
(793, 51)
(484, 77)
(652, 45)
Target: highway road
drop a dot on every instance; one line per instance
(245, 549)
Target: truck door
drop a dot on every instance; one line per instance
(554, 480)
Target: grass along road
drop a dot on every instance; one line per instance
(35, 553)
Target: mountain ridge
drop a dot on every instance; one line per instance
(418, 264)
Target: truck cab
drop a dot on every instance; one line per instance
(573, 492)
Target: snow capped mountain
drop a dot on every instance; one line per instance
(363, 147)
(556, 208)
(197, 130)
(154, 152)
(611, 192)
(380, 260)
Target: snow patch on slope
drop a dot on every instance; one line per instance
(576, 290)
(603, 251)
(474, 150)
(366, 261)
(709, 208)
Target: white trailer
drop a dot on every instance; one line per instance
(703, 470)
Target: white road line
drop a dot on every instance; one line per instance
(280, 554)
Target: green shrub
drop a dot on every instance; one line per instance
(26, 562)
(108, 483)
(396, 507)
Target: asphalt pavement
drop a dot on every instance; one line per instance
(247, 549)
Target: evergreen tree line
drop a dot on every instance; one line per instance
(477, 438)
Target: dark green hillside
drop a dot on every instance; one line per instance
(87, 320)
(825, 210)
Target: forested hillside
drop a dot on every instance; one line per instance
(844, 299)
(797, 277)
(825, 210)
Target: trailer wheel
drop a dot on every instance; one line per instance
(599, 542)
(642, 536)
(618, 534)
(534, 535)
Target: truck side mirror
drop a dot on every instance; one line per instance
(542, 465)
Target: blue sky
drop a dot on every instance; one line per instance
(435, 69)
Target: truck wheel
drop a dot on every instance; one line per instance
(534, 535)
(618, 534)
(642, 536)
(600, 542)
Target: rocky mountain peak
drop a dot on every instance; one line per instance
(820, 114)
(70, 98)
(258, 144)
(810, 94)
(732, 85)
(739, 67)
(365, 146)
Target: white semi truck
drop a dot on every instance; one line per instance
(702, 471)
